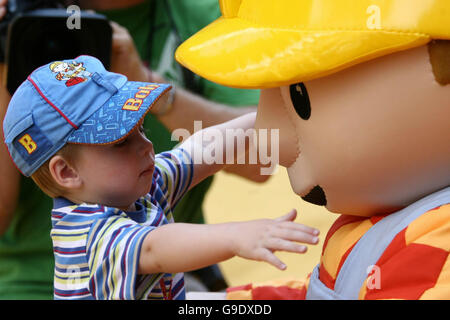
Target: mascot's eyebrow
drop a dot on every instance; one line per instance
(300, 100)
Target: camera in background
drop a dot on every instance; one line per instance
(35, 33)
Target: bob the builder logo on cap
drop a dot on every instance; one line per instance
(72, 73)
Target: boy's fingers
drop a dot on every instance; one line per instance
(300, 227)
(295, 235)
(288, 217)
(285, 245)
(272, 259)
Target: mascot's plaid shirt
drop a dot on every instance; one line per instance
(416, 264)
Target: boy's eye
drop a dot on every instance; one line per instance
(142, 129)
(121, 142)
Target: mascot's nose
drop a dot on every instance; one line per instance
(273, 115)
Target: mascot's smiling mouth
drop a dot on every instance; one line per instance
(316, 196)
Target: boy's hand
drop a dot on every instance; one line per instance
(259, 239)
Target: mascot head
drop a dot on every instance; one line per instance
(359, 91)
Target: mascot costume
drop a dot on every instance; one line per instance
(360, 91)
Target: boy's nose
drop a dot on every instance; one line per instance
(147, 147)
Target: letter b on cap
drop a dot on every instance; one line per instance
(27, 142)
(32, 144)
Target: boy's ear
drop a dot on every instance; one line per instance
(63, 173)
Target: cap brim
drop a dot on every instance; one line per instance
(115, 119)
(238, 53)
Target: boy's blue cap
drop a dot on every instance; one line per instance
(73, 101)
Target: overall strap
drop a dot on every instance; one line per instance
(373, 243)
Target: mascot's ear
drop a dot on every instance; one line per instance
(439, 51)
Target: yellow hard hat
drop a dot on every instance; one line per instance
(271, 43)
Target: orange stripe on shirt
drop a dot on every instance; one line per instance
(432, 228)
(341, 221)
(280, 289)
(340, 242)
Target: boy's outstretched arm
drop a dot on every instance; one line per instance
(180, 247)
(213, 148)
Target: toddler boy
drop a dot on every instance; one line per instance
(113, 232)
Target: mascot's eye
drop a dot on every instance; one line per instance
(300, 100)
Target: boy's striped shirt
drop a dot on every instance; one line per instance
(97, 248)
